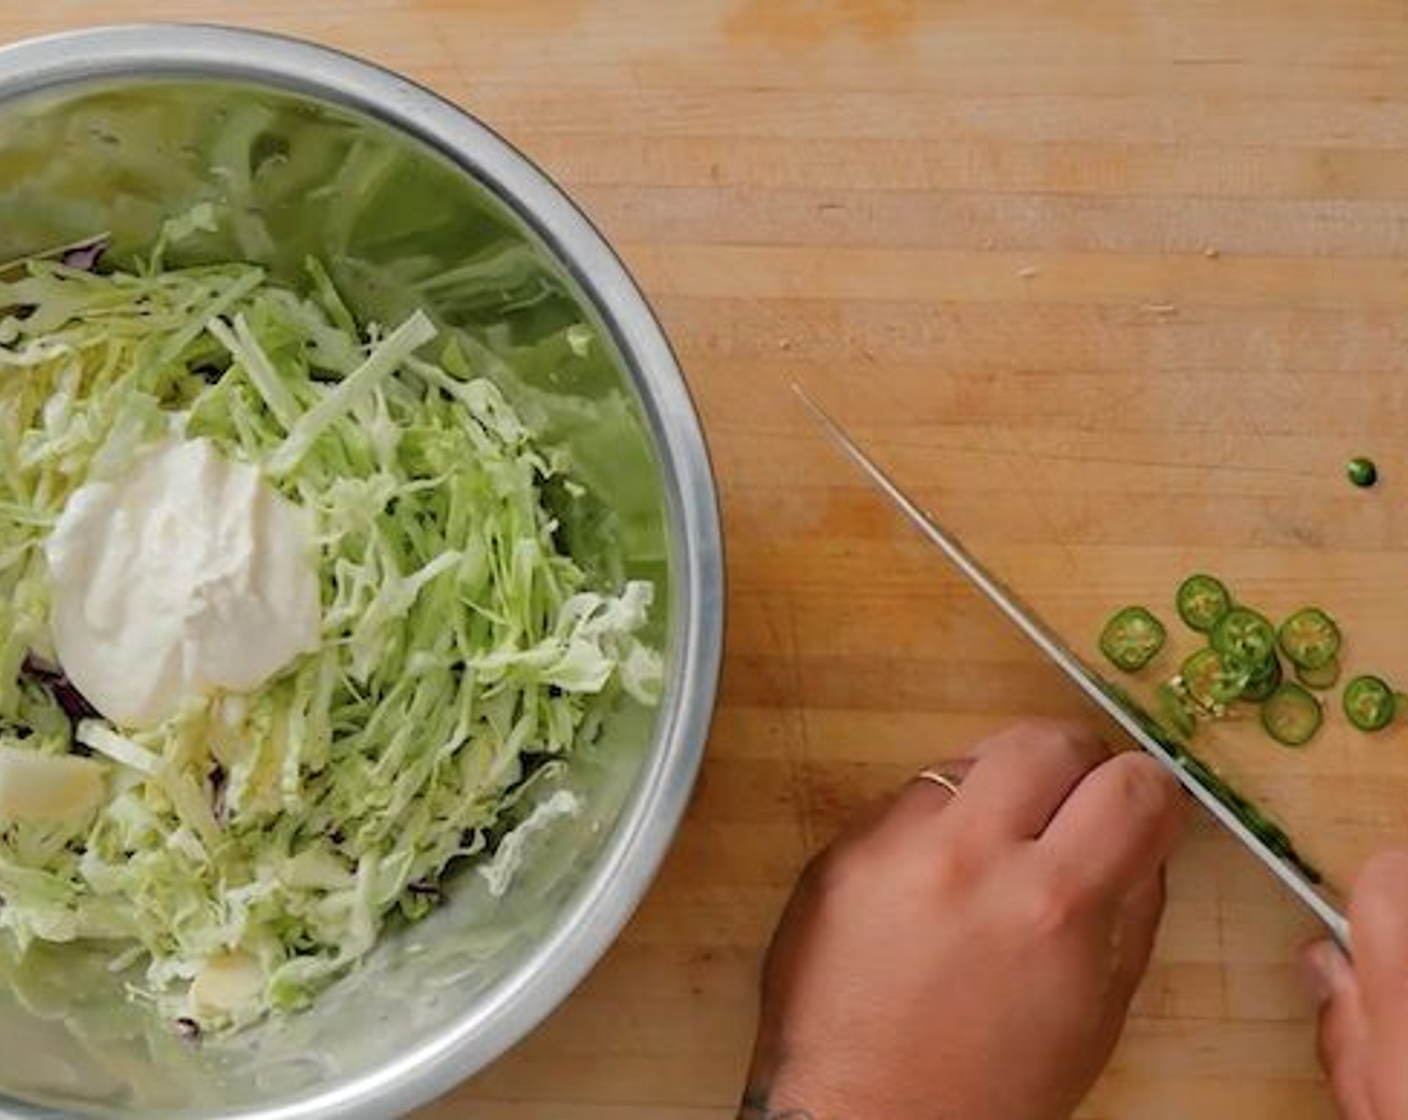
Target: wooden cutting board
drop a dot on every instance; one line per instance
(1117, 288)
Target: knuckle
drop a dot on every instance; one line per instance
(852, 873)
(949, 867)
(1142, 785)
(1058, 738)
(1039, 729)
(1053, 902)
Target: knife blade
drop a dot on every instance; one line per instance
(1086, 679)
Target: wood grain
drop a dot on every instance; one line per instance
(1117, 287)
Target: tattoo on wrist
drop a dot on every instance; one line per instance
(756, 1106)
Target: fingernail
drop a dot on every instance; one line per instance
(1325, 970)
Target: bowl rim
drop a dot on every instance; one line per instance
(605, 900)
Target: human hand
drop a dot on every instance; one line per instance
(970, 957)
(1364, 1003)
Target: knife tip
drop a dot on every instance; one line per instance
(812, 406)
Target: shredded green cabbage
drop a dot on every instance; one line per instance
(252, 848)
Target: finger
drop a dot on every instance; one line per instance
(925, 794)
(1137, 927)
(1326, 972)
(1343, 1032)
(1118, 826)
(1021, 775)
(1378, 922)
(906, 814)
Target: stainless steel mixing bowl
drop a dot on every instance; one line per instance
(445, 996)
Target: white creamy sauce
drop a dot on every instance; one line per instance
(186, 576)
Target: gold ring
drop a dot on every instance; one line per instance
(939, 779)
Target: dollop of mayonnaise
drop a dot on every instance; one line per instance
(186, 576)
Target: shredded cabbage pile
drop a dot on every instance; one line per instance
(253, 847)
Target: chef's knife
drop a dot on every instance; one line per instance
(1089, 682)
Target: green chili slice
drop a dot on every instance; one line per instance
(1369, 703)
(1131, 638)
(1201, 601)
(1322, 678)
(1262, 683)
(1174, 706)
(1291, 715)
(1244, 636)
(1210, 680)
(1310, 638)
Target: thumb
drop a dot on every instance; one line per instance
(1343, 1033)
